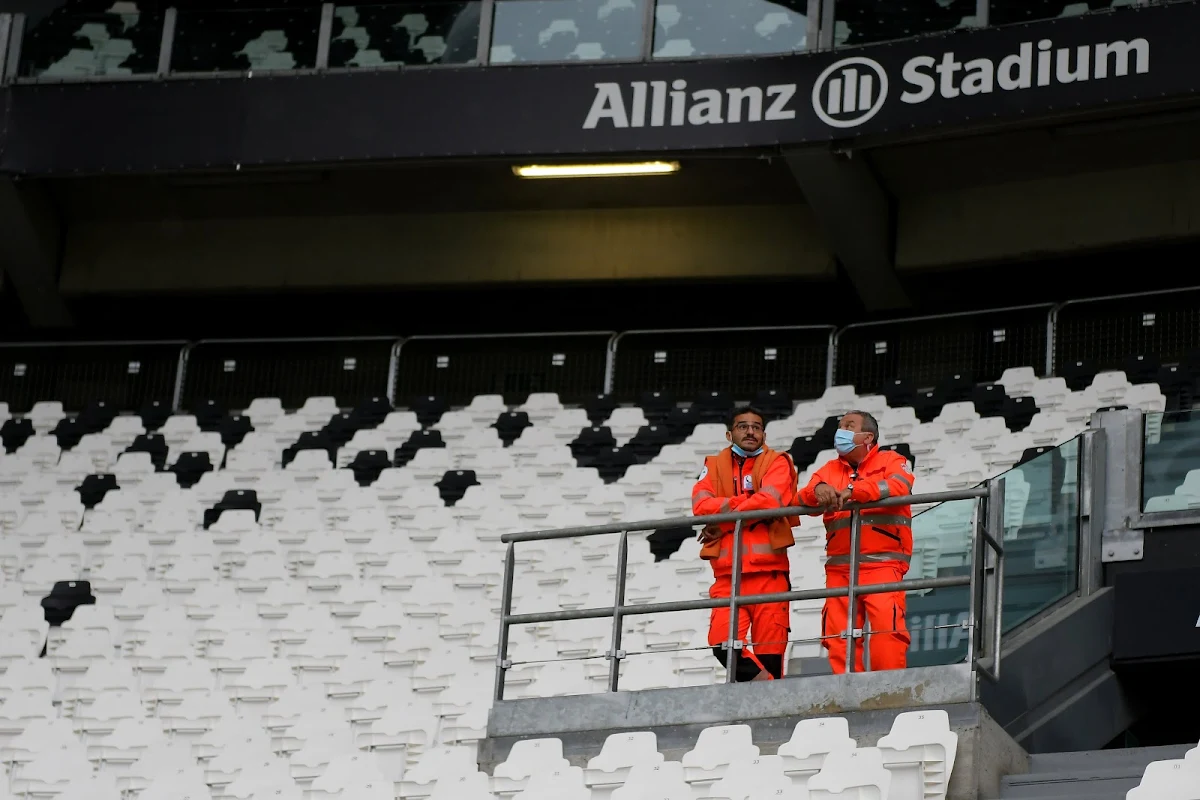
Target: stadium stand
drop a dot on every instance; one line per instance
(309, 596)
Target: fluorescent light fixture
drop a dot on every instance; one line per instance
(596, 170)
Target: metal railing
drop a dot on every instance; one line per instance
(820, 19)
(985, 581)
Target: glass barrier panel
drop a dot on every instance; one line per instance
(1041, 532)
(243, 40)
(68, 43)
(530, 31)
(936, 617)
(1171, 462)
(690, 28)
(865, 21)
(1006, 12)
(1041, 540)
(407, 34)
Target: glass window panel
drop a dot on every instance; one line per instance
(409, 34)
(526, 31)
(866, 21)
(1004, 12)
(1171, 462)
(258, 39)
(69, 43)
(941, 547)
(688, 28)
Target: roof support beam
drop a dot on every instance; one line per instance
(856, 215)
(30, 248)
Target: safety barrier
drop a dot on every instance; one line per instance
(802, 360)
(985, 581)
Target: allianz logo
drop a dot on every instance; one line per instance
(852, 90)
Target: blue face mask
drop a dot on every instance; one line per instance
(843, 441)
(740, 453)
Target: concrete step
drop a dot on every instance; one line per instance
(1087, 775)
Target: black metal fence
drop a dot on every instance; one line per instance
(1107, 330)
(234, 372)
(126, 375)
(741, 361)
(924, 350)
(459, 367)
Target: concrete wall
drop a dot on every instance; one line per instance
(1055, 216)
(113, 255)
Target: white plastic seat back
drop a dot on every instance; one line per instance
(852, 775)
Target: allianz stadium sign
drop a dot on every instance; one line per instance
(1122, 59)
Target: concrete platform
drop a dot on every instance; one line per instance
(869, 701)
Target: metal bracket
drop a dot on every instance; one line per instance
(618, 655)
(1122, 545)
(857, 634)
(737, 645)
(504, 663)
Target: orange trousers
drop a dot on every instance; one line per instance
(765, 625)
(886, 613)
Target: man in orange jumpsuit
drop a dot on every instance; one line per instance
(749, 476)
(862, 473)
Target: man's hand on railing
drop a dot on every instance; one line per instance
(831, 499)
(710, 533)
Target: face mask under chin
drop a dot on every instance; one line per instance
(740, 453)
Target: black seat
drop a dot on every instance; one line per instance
(371, 412)
(681, 422)
(1178, 384)
(713, 406)
(927, 405)
(599, 407)
(612, 463)
(68, 432)
(956, 388)
(899, 393)
(429, 409)
(1078, 374)
(367, 465)
(510, 425)
(234, 428)
(93, 488)
(417, 440)
(454, 484)
(825, 433)
(590, 442)
(1030, 453)
(15, 432)
(311, 440)
(189, 467)
(656, 406)
(1018, 412)
(665, 541)
(208, 414)
(340, 428)
(903, 449)
(804, 450)
(96, 416)
(774, 403)
(1141, 368)
(154, 415)
(989, 399)
(152, 443)
(649, 441)
(233, 501)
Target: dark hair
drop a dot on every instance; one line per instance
(869, 423)
(737, 412)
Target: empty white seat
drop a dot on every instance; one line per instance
(919, 753)
(851, 775)
(812, 740)
(621, 753)
(526, 758)
(715, 748)
(657, 781)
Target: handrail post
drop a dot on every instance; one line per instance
(615, 654)
(996, 500)
(393, 370)
(502, 663)
(851, 599)
(180, 377)
(735, 587)
(977, 546)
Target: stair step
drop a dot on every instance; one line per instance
(1055, 786)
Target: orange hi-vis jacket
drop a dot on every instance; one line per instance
(765, 482)
(886, 533)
